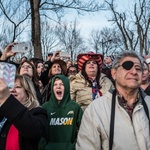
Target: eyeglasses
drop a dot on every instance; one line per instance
(127, 65)
(72, 71)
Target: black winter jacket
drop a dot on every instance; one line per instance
(30, 124)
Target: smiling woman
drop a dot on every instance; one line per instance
(24, 91)
(22, 120)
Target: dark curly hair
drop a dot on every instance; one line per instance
(83, 72)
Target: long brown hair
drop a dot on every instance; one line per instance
(35, 76)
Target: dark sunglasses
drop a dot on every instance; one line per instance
(127, 65)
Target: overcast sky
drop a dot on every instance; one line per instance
(97, 20)
(89, 21)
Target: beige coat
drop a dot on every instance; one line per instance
(128, 134)
(82, 94)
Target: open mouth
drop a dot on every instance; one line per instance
(59, 93)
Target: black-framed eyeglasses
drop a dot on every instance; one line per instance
(72, 71)
(127, 65)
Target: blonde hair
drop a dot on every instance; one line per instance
(27, 84)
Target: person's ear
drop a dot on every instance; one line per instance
(113, 73)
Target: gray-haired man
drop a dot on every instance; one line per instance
(118, 120)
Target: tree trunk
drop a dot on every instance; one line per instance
(36, 29)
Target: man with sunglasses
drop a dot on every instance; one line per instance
(119, 120)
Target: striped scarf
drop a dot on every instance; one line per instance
(95, 91)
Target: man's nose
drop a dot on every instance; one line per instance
(133, 69)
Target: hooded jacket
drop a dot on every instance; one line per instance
(63, 120)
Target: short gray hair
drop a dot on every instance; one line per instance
(127, 53)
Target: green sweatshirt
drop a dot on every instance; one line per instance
(64, 120)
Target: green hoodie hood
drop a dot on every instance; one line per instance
(66, 97)
(63, 120)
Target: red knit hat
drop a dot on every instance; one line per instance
(82, 58)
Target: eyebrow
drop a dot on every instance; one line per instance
(137, 64)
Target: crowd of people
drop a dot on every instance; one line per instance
(95, 103)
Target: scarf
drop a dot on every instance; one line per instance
(95, 91)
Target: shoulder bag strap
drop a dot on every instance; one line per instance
(144, 105)
(112, 119)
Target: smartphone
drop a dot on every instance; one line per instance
(64, 54)
(22, 47)
(8, 73)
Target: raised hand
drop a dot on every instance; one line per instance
(4, 91)
(8, 52)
